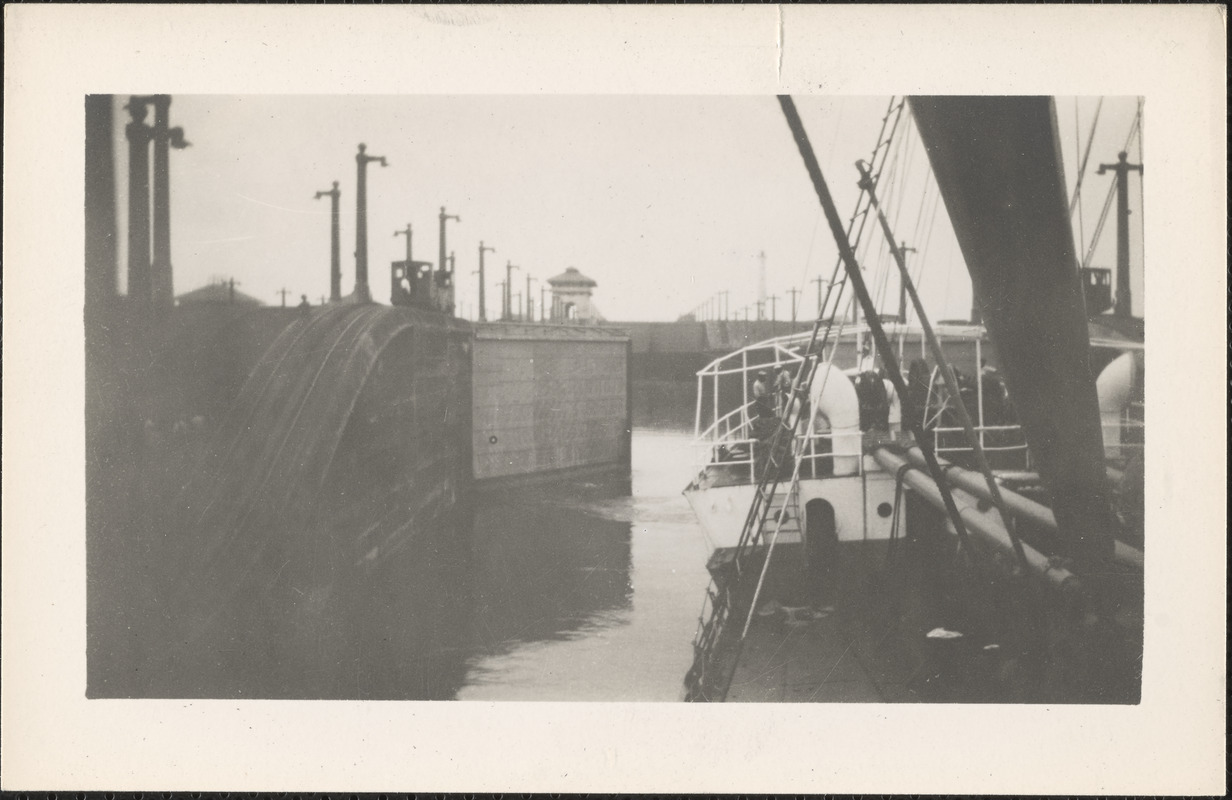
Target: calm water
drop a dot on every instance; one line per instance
(579, 588)
(585, 592)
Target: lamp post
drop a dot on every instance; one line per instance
(483, 313)
(441, 255)
(409, 234)
(362, 293)
(165, 138)
(335, 260)
(138, 134)
(508, 311)
(450, 273)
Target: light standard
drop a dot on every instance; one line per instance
(508, 311)
(335, 247)
(442, 277)
(362, 159)
(483, 313)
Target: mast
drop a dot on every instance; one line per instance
(998, 168)
(1123, 308)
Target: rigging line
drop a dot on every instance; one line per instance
(881, 271)
(1099, 226)
(1141, 137)
(919, 216)
(1082, 168)
(1103, 217)
(928, 240)
(951, 381)
(1141, 191)
(808, 258)
(881, 149)
(1133, 131)
(921, 250)
(879, 278)
(911, 147)
(794, 485)
(838, 125)
(1082, 236)
(853, 272)
(907, 152)
(922, 255)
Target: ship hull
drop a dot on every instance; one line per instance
(861, 507)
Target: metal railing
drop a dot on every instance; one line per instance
(821, 464)
(1128, 438)
(740, 455)
(737, 454)
(730, 425)
(1004, 444)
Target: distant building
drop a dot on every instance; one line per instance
(571, 291)
(218, 292)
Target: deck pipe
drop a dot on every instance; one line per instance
(986, 525)
(1020, 507)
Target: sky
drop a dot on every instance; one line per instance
(663, 200)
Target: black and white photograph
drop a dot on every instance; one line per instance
(480, 401)
(900, 465)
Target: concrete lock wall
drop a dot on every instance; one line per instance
(548, 398)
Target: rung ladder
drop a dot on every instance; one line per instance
(714, 654)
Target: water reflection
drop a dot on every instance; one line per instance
(576, 588)
(601, 585)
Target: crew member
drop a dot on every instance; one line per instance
(782, 391)
(763, 405)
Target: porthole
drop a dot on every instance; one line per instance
(885, 510)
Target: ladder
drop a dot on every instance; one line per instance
(716, 645)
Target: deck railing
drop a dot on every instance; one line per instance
(1127, 438)
(738, 455)
(1005, 445)
(1123, 439)
(816, 464)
